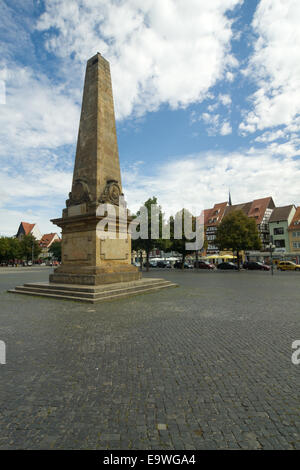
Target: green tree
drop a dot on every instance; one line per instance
(237, 232)
(55, 250)
(180, 244)
(147, 242)
(4, 248)
(14, 250)
(29, 245)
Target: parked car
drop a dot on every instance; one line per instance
(161, 264)
(178, 265)
(204, 265)
(288, 266)
(188, 266)
(251, 265)
(227, 265)
(152, 264)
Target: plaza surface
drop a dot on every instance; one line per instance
(204, 366)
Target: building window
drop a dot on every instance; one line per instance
(279, 231)
(296, 244)
(296, 234)
(280, 243)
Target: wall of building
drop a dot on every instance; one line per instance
(279, 235)
(294, 240)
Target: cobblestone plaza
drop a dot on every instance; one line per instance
(204, 366)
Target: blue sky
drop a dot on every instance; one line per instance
(206, 98)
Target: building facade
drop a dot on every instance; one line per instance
(279, 223)
(46, 242)
(259, 209)
(25, 229)
(212, 218)
(294, 233)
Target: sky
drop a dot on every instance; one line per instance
(206, 100)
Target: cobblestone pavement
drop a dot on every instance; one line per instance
(204, 366)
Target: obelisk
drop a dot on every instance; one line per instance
(87, 259)
(96, 264)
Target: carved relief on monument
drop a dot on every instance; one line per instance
(80, 193)
(111, 193)
(114, 249)
(76, 247)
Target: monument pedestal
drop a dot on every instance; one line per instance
(91, 256)
(95, 276)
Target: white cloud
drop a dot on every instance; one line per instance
(275, 66)
(207, 177)
(270, 136)
(169, 51)
(36, 194)
(229, 76)
(204, 179)
(225, 128)
(225, 99)
(215, 124)
(37, 114)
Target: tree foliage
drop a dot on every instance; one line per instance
(147, 242)
(30, 247)
(180, 244)
(9, 249)
(55, 249)
(12, 248)
(237, 232)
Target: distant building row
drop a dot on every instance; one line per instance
(45, 240)
(277, 225)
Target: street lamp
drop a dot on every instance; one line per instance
(271, 249)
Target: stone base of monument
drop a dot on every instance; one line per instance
(95, 275)
(92, 294)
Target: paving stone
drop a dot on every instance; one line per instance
(210, 361)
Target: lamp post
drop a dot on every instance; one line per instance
(271, 249)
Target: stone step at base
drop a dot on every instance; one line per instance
(94, 290)
(92, 294)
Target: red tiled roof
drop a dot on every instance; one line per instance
(295, 224)
(206, 215)
(259, 206)
(255, 209)
(47, 239)
(215, 213)
(245, 207)
(27, 227)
